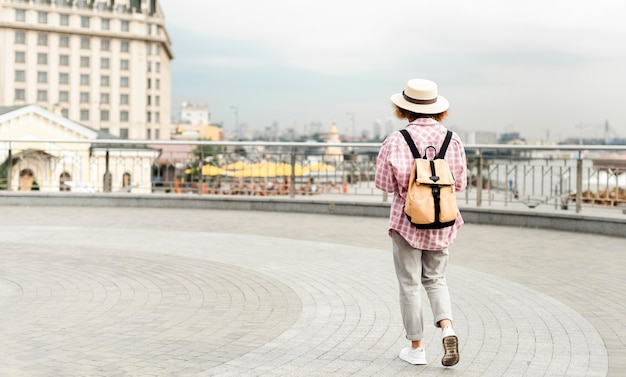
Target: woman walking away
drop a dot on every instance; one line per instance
(421, 255)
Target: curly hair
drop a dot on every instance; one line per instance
(411, 116)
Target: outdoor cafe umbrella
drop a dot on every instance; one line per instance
(263, 169)
(318, 166)
(212, 171)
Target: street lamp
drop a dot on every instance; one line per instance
(236, 112)
(351, 116)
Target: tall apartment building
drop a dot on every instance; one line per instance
(102, 63)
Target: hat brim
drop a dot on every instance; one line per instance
(440, 106)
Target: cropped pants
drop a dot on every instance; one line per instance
(415, 268)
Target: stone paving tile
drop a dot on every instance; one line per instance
(104, 291)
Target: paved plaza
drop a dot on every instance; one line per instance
(185, 292)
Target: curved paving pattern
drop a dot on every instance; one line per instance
(121, 297)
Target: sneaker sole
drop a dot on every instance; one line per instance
(451, 351)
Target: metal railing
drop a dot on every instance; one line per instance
(497, 174)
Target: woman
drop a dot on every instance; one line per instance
(420, 255)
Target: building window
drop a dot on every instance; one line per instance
(124, 64)
(64, 78)
(64, 60)
(157, 134)
(105, 24)
(158, 67)
(42, 39)
(42, 58)
(157, 117)
(20, 15)
(42, 95)
(104, 98)
(42, 17)
(124, 82)
(84, 61)
(64, 96)
(149, 83)
(124, 46)
(20, 75)
(157, 49)
(104, 80)
(148, 134)
(84, 114)
(20, 57)
(149, 47)
(65, 113)
(124, 133)
(105, 63)
(20, 37)
(64, 19)
(104, 115)
(149, 66)
(105, 45)
(20, 94)
(157, 100)
(149, 29)
(157, 84)
(124, 99)
(42, 76)
(84, 22)
(84, 97)
(84, 79)
(84, 43)
(64, 41)
(125, 26)
(149, 100)
(149, 117)
(124, 116)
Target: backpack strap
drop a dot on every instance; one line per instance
(411, 143)
(444, 146)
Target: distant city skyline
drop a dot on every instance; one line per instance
(546, 69)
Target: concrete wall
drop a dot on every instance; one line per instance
(611, 226)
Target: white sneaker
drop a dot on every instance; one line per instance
(450, 347)
(415, 356)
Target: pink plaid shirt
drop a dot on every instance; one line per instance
(393, 168)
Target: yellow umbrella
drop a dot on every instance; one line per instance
(212, 170)
(285, 170)
(239, 165)
(261, 169)
(321, 167)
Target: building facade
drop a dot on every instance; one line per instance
(101, 63)
(48, 152)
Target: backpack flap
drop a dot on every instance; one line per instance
(435, 172)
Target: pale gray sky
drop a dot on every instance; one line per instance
(531, 66)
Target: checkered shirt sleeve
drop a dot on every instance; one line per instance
(393, 170)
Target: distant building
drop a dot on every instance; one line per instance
(195, 124)
(194, 114)
(481, 137)
(103, 63)
(333, 153)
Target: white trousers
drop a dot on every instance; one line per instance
(415, 268)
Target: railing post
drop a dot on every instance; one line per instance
(9, 168)
(107, 174)
(479, 179)
(579, 182)
(292, 186)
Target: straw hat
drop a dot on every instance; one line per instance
(420, 96)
